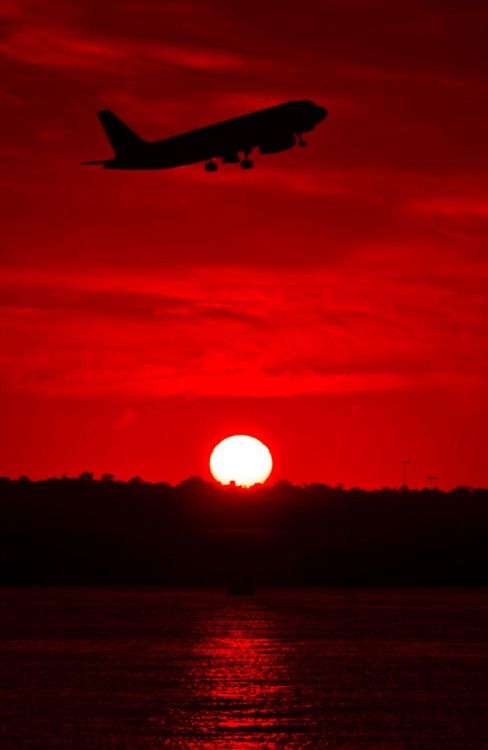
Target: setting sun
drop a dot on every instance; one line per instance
(241, 459)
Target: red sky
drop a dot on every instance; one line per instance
(332, 301)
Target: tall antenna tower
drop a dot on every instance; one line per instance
(431, 479)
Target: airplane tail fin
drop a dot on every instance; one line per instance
(121, 137)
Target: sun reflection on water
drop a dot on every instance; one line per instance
(240, 688)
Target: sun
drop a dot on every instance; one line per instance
(242, 459)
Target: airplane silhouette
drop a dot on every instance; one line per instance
(270, 130)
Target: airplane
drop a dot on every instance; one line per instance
(270, 130)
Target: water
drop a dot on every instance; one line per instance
(151, 670)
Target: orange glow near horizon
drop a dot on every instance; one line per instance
(241, 459)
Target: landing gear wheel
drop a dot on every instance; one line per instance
(247, 164)
(301, 142)
(211, 166)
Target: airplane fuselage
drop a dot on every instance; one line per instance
(269, 130)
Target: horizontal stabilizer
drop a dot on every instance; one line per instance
(102, 161)
(121, 137)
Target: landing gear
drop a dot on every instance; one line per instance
(246, 162)
(301, 142)
(211, 166)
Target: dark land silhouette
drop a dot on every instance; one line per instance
(86, 531)
(269, 130)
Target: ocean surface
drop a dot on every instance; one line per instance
(130, 669)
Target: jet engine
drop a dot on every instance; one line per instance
(280, 143)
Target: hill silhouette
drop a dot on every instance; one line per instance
(87, 531)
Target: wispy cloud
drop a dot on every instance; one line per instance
(452, 205)
(243, 332)
(72, 49)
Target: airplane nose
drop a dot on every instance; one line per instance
(321, 113)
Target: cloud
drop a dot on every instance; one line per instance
(324, 268)
(71, 49)
(57, 48)
(452, 205)
(241, 332)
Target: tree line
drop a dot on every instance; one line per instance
(197, 533)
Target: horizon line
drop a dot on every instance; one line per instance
(109, 478)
